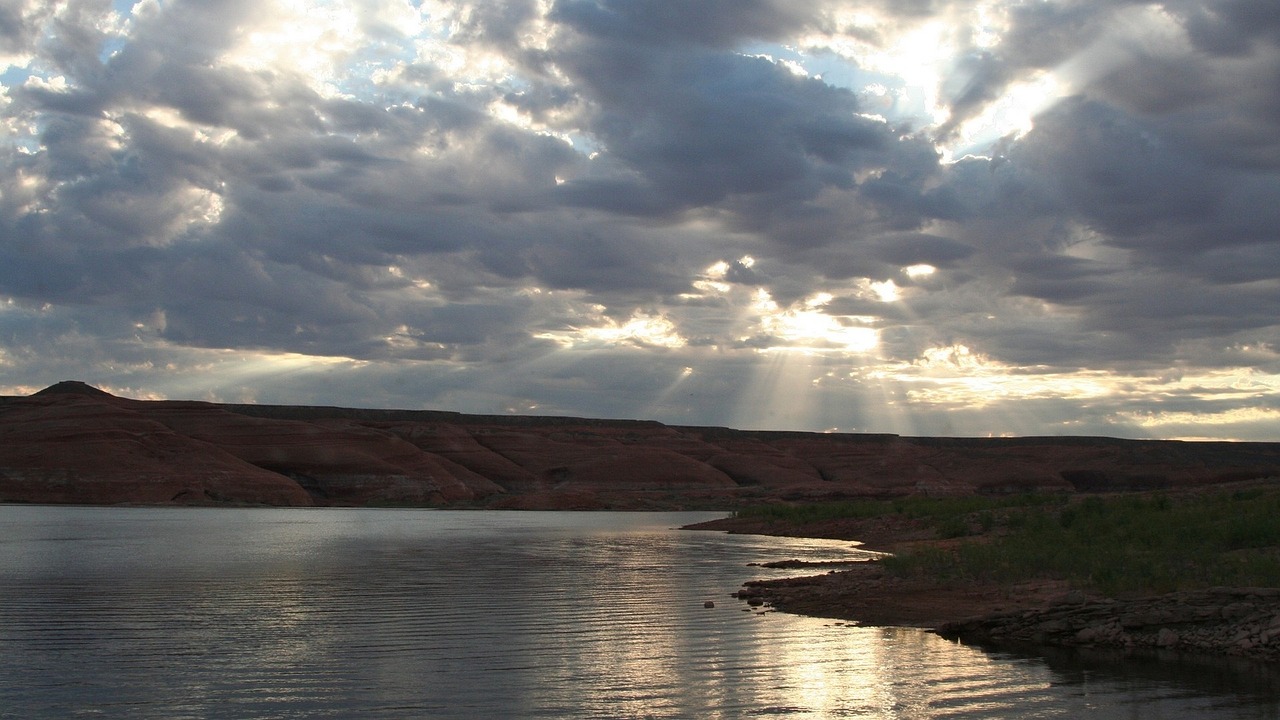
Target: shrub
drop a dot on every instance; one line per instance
(1112, 544)
(1125, 544)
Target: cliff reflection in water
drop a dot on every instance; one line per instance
(170, 613)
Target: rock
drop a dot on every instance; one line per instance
(1225, 630)
(1088, 635)
(338, 462)
(770, 469)
(708, 604)
(180, 451)
(78, 447)
(1071, 597)
(1053, 627)
(1235, 610)
(456, 444)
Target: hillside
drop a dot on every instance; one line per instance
(72, 443)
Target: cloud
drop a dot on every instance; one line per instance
(701, 129)
(763, 214)
(1233, 27)
(713, 24)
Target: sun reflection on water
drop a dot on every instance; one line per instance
(395, 614)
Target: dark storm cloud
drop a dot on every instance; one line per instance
(710, 23)
(904, 249)
(1233, 27)
(700, 128)
(1061, 279)
(1174, 211)
(686, 126)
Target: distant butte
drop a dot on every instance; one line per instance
(74, 443)
(73, 387)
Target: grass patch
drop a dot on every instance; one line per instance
(1114, 544)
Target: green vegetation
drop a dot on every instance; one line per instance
(1114, 544)
(934, 510)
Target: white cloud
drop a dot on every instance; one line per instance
(641, 330)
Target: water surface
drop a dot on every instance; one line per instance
(265, 613)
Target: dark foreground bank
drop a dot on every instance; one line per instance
(1171, 574)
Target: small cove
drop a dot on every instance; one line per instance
(232, 613)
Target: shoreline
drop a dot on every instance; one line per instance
(1241, 623)
(864, 593)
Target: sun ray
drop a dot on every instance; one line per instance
(779, 394)
(665, 403)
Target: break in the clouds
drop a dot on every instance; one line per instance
(950, 217)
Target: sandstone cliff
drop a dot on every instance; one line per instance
(72, 443)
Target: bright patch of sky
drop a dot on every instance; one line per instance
(906, 80)
(882, 92)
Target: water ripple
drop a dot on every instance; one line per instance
(407, 614)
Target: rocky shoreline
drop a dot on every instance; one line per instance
(1243, 622)
(866, 595)
(1217, 622)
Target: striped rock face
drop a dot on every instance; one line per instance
(72, 443)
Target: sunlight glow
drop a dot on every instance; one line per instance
(309, 39)
(927, 56)
(1011, 115)
(469, 64)
(170, 118)
(779, 393)
(791, 66)
(642, 329)
(190, 209)
(886, 291)
(1233, 416)
(33, 195)
(807, 328)
(956, 376)
(712, 281)
(919, 56)
(223, 375)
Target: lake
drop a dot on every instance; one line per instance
(310, 613)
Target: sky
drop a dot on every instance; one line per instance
(924, 217)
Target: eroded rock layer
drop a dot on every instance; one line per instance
(72, 443)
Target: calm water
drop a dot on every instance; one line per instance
(194, 613)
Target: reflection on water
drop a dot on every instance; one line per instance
(194, 613)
